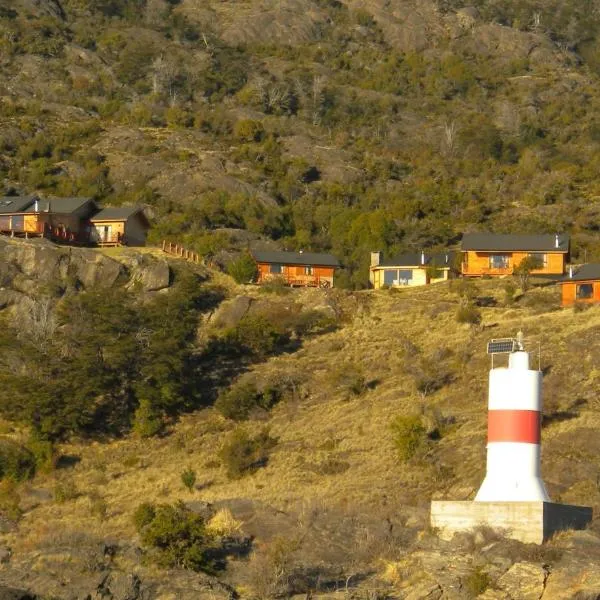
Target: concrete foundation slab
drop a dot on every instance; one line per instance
(529, 522)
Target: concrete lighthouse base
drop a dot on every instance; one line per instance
(529, 522)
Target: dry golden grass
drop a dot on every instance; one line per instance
(323, 426)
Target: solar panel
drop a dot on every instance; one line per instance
(501, 346)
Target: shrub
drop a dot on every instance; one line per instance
(243, 269)
(249, 130)
(147, 421)
(468, 313)
(241, 399)
(65, 490)
(9, 499)
(477, 581)
(143, 515)
(409, 435)
(188, 478)
(43, 451)
(176, 536)
(98, 506)
(16, 462)
(242, 453)
(255, 334)
(275, 285)
(350, 379)
(510, 289)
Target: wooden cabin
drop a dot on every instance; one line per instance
(60, 219)
(119, 225)
(409, 269)
(297, 269)
(582, 285)
(497, 255)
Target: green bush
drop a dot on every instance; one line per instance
(477, 582)
(468, 313)
(242, 398)
(255, 334)
(143, 515)
(242, 453)
(175, 537)
(409, 435)
(16, 462)
(147, 421)
(243, 269)
(188, 478)
(249, 130)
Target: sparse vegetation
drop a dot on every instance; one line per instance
(243, 453)
(409, 435)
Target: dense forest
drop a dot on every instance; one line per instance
(341, 127)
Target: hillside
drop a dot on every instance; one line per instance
(336, 126)
(333, 504)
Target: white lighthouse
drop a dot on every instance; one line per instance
(512, 498)
(514, 425)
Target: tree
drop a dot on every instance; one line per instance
(243, 269)
(523, 270)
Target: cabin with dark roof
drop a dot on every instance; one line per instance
(497, 255)
(60, 219)
(411, 269)
(296, 269)
(119, 225)
(581, 285)
(72, 221)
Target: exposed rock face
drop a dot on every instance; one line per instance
(34, 268)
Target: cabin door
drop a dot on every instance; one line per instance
(107, 233)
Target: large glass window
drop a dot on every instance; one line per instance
(308, 270)
(585, 291)
(404, 276)
(540, 259)
(276, 269)
(390, 276)
(499, 261)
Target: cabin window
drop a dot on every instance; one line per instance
(499, 261)
(308, 270)
(390, 276)
(277, 269)
(404, 276)
(585, 291)
(541, 259)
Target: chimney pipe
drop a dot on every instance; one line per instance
(36, 205)
(570, 271)
(556, 241)
(375, 259)
(422, 257)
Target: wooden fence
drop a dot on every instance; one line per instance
(177, 250)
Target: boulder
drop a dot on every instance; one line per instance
(524, 580)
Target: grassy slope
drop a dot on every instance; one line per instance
(325, 426)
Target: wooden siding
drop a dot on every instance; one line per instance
(419, 276)
(295, 275)
(569, 293)
(478, 263)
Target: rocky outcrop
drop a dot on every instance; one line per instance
(34, 268)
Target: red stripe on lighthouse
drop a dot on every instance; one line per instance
(514, 426)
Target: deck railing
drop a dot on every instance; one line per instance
(178, 250)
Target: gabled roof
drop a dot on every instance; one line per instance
(440, 259)
(15, 204)
(295, 258)
(63, 206)
(588, 272)
(511, 242)
(116, 213)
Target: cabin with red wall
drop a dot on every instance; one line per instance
(296, 269)
(582, 285)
